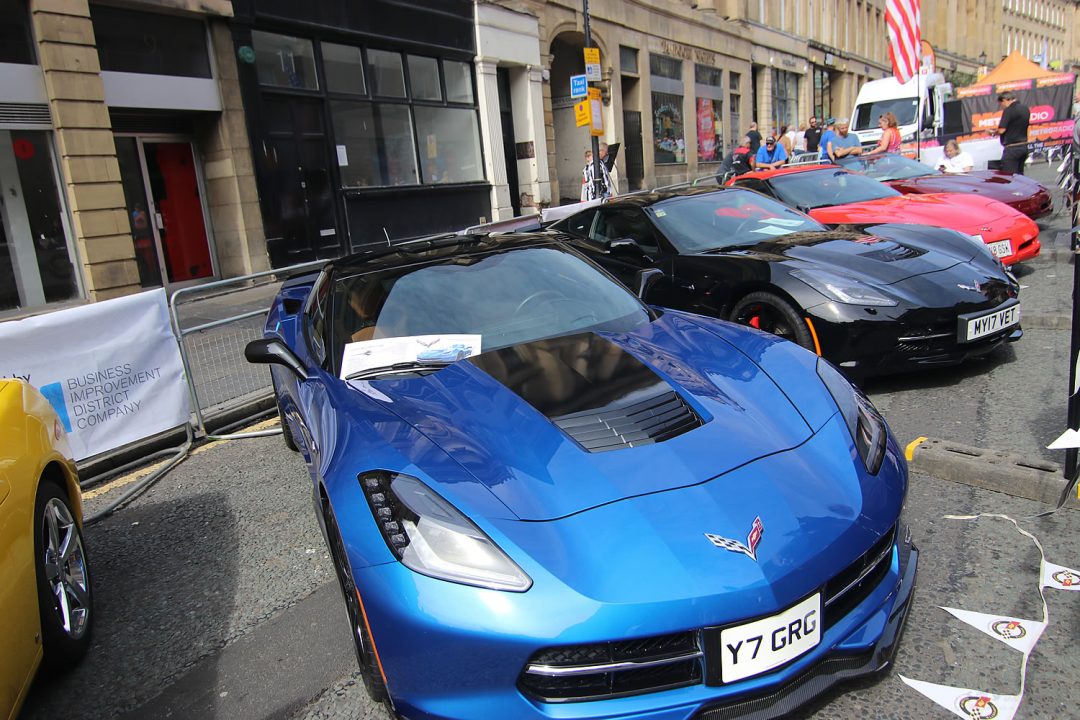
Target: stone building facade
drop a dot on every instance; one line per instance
(122, 142)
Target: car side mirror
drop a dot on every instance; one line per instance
(805, 209)
(272, 351)
(645, 279)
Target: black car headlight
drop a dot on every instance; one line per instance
(867, 427)
(843, 289)
(432, 537)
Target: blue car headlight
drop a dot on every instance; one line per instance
(867, 427)
(843, 289)
(432, 537)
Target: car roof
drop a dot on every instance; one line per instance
(788, 170)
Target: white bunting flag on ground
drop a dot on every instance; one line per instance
(966, 703)
(1014, 632)
(1057, 576)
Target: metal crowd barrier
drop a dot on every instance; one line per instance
(213, 322)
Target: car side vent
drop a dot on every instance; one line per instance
(655, 419)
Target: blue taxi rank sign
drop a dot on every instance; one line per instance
(578, 86)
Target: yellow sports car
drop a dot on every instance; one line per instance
(45, 601)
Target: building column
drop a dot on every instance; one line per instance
(534, 179)
(231, 195)
(69, 62)
(491, 130)
(549, 128)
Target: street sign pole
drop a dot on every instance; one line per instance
(597, 177)
(1073, 420)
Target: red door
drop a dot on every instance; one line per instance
(178, 210)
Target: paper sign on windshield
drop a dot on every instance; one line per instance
(384, 352)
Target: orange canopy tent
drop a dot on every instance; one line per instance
(1015, 67)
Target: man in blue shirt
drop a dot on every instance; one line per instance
(770, 156)
(826, 135)
(843, 143)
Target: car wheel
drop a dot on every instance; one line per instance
(63, 577)
(286, 433)
(765, 311)
(365, 650)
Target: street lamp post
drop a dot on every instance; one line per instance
(597, 177)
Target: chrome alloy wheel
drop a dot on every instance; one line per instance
(65, 568)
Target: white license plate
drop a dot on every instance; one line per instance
(1000, 249)
(756, 647)
(973, 328)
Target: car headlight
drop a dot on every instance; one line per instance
(910, 137)
(843, 289)
(867, 427)
(432, 537)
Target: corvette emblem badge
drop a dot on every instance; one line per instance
(976, 287)
(752, 540)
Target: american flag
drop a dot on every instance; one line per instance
(903, 19)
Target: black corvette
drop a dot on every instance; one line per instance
(877, 299)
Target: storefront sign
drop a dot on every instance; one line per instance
(111, 369)
(685, 52)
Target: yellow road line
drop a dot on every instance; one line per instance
(909, 452)
(142, 472)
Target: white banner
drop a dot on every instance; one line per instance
(111, 369)
(968, 704)
(1017, 633)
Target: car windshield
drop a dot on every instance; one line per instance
(724, 219)
(886, 167)
(826, 187)
(499, 298)
(866, 115)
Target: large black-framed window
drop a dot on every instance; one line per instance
(143, 42)
(398, 118)
(16, 40)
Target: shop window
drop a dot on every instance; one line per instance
(375, 144)
(459, 87)
(16, 43)
(708, 86)
(424, 78)
(449, 144)
(387, 78)
(785, 99)
(344, 69)
(669, 137)
(141, 42)
(284, 61)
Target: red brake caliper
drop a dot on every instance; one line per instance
(755, 322)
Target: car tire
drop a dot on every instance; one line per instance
(365, 649)
(772, 314)
(65, 598)
(286, 433)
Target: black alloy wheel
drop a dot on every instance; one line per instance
(365, 651)
(772, 314)
(65, 600)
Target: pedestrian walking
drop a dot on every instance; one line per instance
(755, 138)
(589, 189)
(1013, 131)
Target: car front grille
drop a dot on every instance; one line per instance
(613, 669)
(596, 671)
(851, 586)
(655, 419)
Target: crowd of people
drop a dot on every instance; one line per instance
(831, 141)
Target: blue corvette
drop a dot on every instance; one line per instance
(612, 511)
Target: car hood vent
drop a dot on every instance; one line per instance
(654, 419)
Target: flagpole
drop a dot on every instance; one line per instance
(918, 109)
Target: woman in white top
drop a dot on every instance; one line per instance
(955, 160)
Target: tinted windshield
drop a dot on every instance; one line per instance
(728, 218)
(509, 297)
(823, 188)
(866, 116)
(885, 167)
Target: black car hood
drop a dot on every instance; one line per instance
(875, 259)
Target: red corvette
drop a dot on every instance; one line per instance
(912, 177)
(835, 196)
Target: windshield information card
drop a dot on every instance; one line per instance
(386, 352)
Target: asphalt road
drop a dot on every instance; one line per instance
(215, 596)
